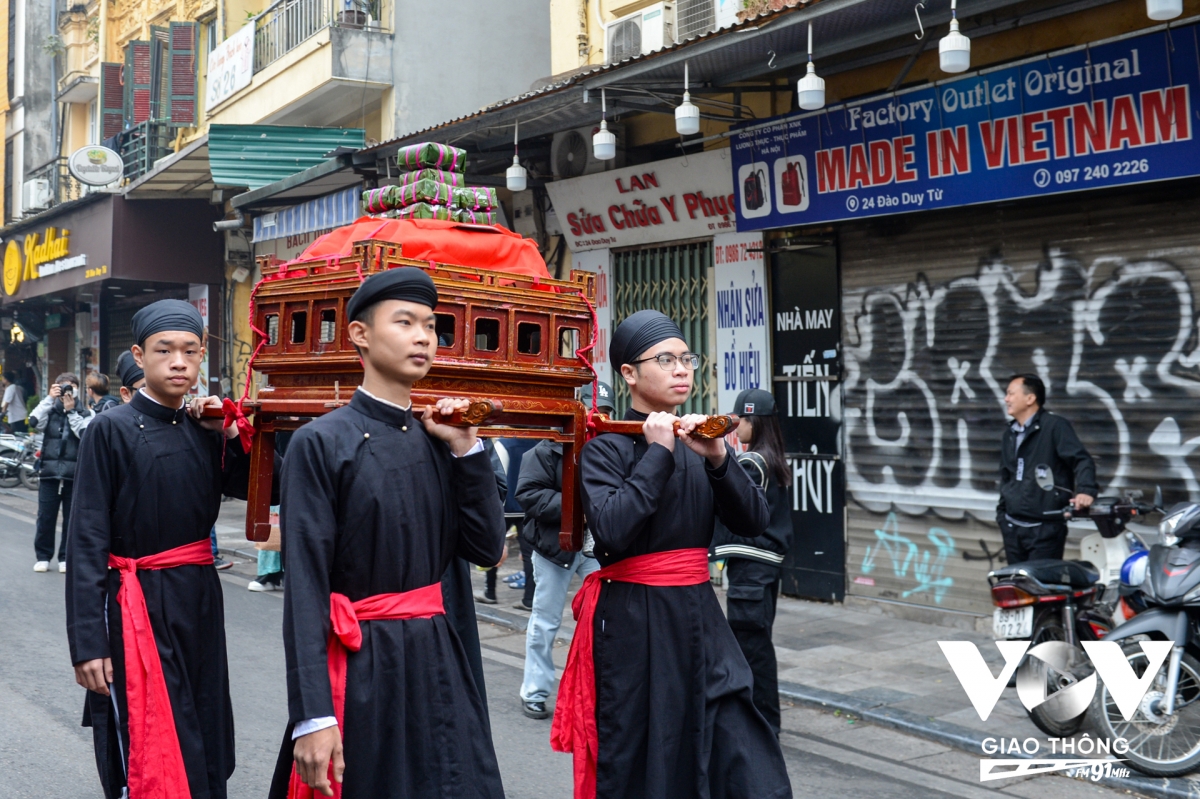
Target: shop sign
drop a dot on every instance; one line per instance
(230, 67)
(680, 198)
(43, 257)
(741, 313)
(1109, 114)
(96, 165)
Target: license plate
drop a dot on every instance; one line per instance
(1013, 622)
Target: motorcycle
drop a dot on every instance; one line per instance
(1067, 601)
(1164, 733)
(17, 455)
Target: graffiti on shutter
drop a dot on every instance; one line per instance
(1094, 294)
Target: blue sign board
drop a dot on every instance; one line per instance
(1109, 114)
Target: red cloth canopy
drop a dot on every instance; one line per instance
(478, 246)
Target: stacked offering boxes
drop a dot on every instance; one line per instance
(433, 188)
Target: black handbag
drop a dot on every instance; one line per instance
(752, 192)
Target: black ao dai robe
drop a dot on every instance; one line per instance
(371, 504)
(674, 707)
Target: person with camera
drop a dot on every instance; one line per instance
(61, 419)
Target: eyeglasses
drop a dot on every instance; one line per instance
(667, 361)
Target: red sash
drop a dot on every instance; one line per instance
(345, 636)
(574, 727)
(155, 763)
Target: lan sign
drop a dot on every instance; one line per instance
(41, 259)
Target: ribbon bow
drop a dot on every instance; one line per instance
(234, 414)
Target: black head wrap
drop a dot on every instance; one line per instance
(402, 283)
(166, 315)
(128, 369)
(639, 333)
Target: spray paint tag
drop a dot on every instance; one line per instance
(1020, 469)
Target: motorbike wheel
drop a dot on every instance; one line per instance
(1048, 626)
(28, 477)
(1158, 746)
(10, 476)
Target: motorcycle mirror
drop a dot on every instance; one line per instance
(1045, 481)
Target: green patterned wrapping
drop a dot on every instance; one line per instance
(438, 175)
(424, 191)
(431, 155)
(475, 198)
(475, 217)
(424, 211)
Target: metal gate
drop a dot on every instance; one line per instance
(672, 279)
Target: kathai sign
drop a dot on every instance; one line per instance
(43, 256)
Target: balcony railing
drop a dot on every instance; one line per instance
(64, 187)
(142, 145)
(286, 23)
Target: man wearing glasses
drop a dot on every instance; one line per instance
(656, 699)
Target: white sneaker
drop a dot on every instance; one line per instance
(42, 566)
(258, 587)
(62, 567)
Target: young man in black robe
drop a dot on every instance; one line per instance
(656, 700)
(378, 498)
(145, 619)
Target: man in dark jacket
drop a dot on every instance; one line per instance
(1039, 444)
(539, 492)
(61, 418)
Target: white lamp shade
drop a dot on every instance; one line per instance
(604, 143)
(810, 90)
(515, 176)
(1163, 9)
(687, 117)
(955, 50)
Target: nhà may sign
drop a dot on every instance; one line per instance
(680, 198)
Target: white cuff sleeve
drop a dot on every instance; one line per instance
(477, 448)
(309, 726)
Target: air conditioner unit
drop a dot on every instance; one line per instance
(641, 32)
(36, 195)
(571, 152)
(694, 18)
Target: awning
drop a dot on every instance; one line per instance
(325, 178)
(322, 213)
(181, 175)
(848, 34)
(257, 155)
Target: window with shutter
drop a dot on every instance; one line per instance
(112, 99)
(138, 76)
(160, 86)
(184, 68)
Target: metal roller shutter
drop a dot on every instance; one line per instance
(1095, 293)
(672, 279)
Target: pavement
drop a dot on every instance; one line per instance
(870, 707)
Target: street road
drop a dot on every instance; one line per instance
(45, 753)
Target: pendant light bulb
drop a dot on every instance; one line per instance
(1161, 10)
(604, 142)
(687, 115)
(515, 177)
(954, 49)
(810, 90)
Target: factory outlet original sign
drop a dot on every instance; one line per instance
(1099, 115)
(38, 256)
(680, 198)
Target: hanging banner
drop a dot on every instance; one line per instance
(598, 261)
(1097, 115)
(680, 198)
(741, 314)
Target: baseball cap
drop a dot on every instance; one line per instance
(605, 398)
(754, 402)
